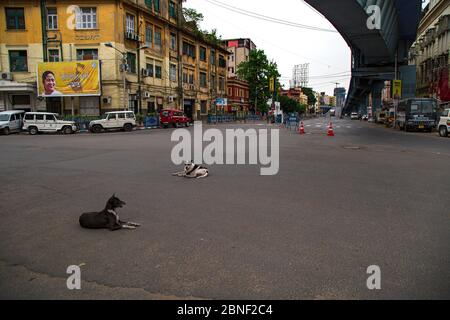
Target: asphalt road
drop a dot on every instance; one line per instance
(368, 196)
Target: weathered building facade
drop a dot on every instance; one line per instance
(150, 58)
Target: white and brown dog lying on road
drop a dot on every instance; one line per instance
(192, 170)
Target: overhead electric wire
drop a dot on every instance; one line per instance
(267, 18)
(275, 45)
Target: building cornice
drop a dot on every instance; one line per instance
(432, 15)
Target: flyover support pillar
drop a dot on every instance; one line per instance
(376, 91)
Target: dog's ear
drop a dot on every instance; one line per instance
(114, 195)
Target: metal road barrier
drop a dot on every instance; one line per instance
(292, 123)
(82, 124)
(151, 122)
(221, 118)
(254, 117)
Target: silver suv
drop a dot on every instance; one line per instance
(125, 120)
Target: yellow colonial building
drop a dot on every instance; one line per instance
(150, 58)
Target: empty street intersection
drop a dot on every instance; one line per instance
(368, 196)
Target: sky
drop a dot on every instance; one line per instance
(327, 53)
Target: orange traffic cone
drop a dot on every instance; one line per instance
(302, 129)
(330, 130)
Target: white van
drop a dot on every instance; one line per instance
(11, 121)
(35, 122)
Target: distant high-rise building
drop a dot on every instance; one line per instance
(340, 93)
(300, 76)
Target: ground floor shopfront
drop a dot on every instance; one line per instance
(19, 96)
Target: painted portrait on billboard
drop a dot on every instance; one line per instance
(77, 78)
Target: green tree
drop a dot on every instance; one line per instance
(192, 20)
(192, 15)
(311, 96)
(289, 105)
(257, 71)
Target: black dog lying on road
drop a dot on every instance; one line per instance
(108, 218)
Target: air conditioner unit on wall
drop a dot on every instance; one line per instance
(107, 100)
(6, 76)
(144, 72)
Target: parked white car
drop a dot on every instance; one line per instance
(125, 120)
(444, 123)
(11, 121)
(354, 116)
(35, 122)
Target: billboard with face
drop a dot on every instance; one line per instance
(75, 78)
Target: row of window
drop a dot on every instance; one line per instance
(188, 78)
(153, 34)
(190, 50)
(240, 93)
(18, 59)
(19, 63)
(155, 6)
(85, 17)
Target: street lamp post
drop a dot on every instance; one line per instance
(124, 70)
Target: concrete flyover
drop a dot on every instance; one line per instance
(374, 51)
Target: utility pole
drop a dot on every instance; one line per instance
(124, 76)
(179, 48)
(44, 29)
(138, 24)
(124, 68)
(395, 98)
(256, 96)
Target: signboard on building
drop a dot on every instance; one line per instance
(77, 78)
(397, 89)
(221, 101)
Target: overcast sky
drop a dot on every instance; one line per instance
(327, 53)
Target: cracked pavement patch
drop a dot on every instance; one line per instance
(18, 282)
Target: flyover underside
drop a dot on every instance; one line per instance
(349, 17)
(373, 50)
